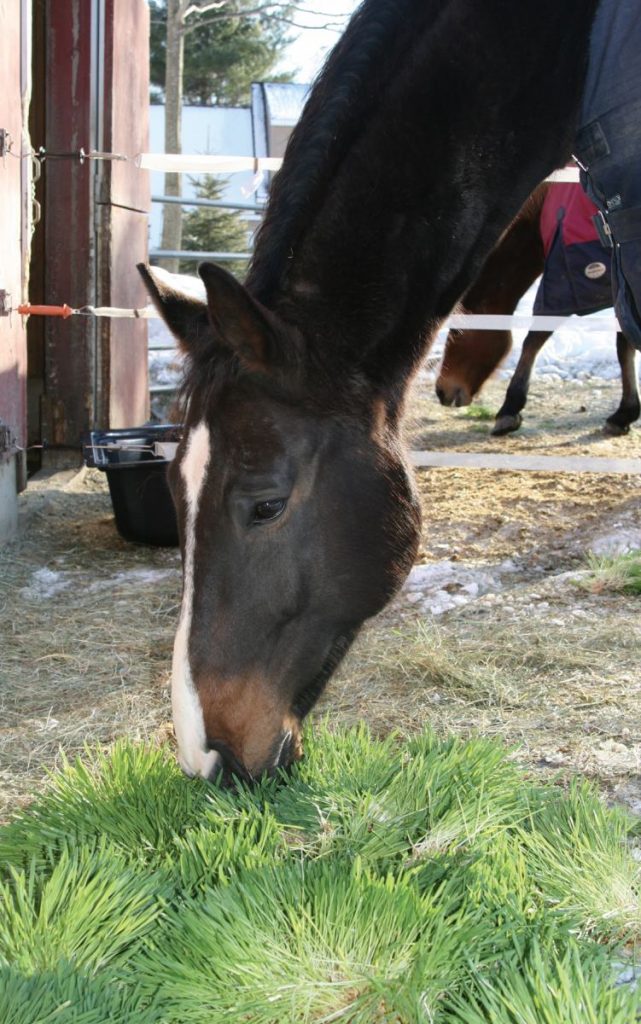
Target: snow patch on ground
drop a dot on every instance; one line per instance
(45, 583)
(133, 577)
(616, 543)
(440, 586)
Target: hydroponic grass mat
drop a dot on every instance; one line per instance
(424, 881)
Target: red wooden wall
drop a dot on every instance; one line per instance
(125, 200)
(72, 380)
(95, 68)
(13, 343)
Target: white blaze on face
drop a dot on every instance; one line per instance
(189, 724)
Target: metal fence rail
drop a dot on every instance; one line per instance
(216, 203)
(190, 255)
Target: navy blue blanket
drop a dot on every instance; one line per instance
(608, 148)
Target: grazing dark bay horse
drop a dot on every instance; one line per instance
(431, 123)
(471, 356)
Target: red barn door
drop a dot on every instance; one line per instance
(95, 68)
(13, 342)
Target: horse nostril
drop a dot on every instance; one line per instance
(442, 396)
(461, 398)
(229, 769)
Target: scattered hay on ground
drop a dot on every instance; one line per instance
(85, 657)
(565, 692)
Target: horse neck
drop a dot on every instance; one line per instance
(514, 263)
(409, 205)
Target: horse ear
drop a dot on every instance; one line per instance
(185, 315)
(238, 320)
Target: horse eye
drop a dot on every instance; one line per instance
(265, 511)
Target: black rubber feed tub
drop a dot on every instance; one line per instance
(135, 461)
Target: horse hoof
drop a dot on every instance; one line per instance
(612, 429)
(506, 425)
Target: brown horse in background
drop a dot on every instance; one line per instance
(471, 356)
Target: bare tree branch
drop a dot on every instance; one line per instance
(193, 8)
(221, 10)
(194, 26)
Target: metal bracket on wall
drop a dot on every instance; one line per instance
(7, 440)
(5, 303)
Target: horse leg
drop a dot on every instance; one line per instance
(629, 409)
(508, 418)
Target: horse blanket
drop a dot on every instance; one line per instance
(608, 148)
(577, 273)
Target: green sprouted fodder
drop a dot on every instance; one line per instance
(577, 851)
(411, 802)
(408, 882)
(617, 573)
(135, 795)
(315, 941)
(536, 985)
(92, 909)
(70, 995)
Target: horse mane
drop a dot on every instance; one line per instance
(350, 86)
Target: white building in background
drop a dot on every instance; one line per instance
(275, 109)
(261, 129)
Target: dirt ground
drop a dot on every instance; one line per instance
(561, 418)
(533, 656)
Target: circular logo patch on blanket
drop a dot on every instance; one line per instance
(594, 270)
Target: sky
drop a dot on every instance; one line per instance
(308, 52)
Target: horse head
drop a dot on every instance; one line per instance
(297, 521)
(470, 357)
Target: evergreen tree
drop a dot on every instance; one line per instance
(211, 229)
(223, 55)
(210, 50)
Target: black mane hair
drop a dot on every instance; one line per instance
(350, 86)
